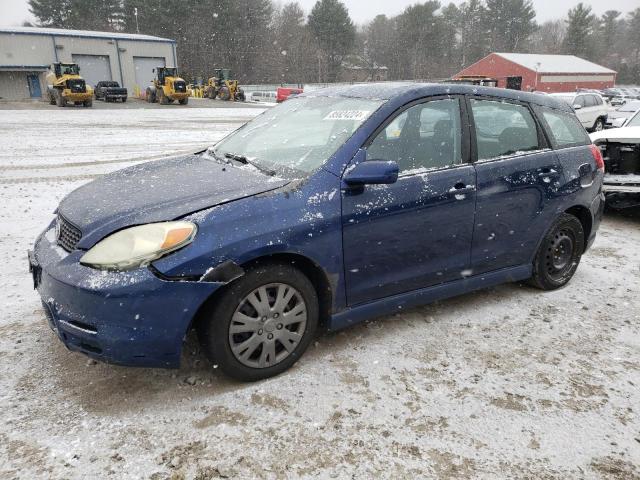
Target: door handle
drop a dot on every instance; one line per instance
(548, 172)
(462, 187)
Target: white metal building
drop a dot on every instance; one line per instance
(27, 52)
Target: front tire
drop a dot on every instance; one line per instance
(262, 323)
(88, 103)
(184, 101)
(60, 100)
(559, 253)
(224, 94)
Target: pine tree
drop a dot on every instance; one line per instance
(509, 23)
(580, 23)
(334, 31)
(473, 40)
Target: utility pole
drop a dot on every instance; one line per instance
(135, 14)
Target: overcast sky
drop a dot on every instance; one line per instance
(14, 12)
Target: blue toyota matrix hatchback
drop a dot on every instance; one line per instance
(331, 208)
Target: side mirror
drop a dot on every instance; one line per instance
(577, 106)
(372, 172)
(153, 71)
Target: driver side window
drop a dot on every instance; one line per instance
(425, 136)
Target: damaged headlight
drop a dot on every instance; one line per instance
(138, 246)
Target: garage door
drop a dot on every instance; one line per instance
(93, 68)
(144, 70)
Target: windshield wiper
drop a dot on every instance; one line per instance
(245, 161)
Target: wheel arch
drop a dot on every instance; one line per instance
(583, 214)
(308, 267)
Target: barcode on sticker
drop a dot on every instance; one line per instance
(348, 115)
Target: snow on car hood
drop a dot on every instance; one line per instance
(158, 191)
(626, 134)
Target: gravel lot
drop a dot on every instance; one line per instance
(504, 383)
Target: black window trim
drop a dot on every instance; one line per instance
(543, 141)
(465, 142)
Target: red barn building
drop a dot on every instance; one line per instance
(547, 73)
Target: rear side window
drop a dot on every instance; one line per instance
(503, 129)
(564, 129)
(589, 101)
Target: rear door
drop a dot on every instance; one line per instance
(592, 107)
(582, 113)
(518, 178)
(416, 232)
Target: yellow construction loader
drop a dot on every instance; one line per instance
(167, 87)
(64, 84)
(223, 87)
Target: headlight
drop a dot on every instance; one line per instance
(137, 246)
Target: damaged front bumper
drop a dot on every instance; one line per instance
(625, 183)
(129, 318)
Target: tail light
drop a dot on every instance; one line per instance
(597, 156)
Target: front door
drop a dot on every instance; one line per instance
(33, 79)
(416, 232)
(518, 184)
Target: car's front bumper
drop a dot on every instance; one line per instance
(127, 318)
(625, 183)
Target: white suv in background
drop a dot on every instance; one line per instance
(590, 108)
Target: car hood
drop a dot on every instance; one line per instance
(159, 191)
(625, 134)
(619, 114)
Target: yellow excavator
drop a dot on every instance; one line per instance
(64, 84)
(167, 87)
(223, 87)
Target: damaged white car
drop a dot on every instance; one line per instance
(620, 148)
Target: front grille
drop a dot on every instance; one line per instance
(68, 235)
(180, 87)
(77, 85)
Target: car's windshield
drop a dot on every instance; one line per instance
(630, 107)
(69, 69)
(299, 135)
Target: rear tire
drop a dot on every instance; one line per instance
(124, 99)
(559, 253)
(231, 320)
(599, 125)
(88, 103)
(151, 96)
(184, 101)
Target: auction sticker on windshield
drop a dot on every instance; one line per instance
(359, 115)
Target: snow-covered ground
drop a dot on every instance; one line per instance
(504, 383)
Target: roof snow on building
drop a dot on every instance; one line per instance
(61, 32)
(554, 63)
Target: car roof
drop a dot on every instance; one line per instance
(408, 91)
